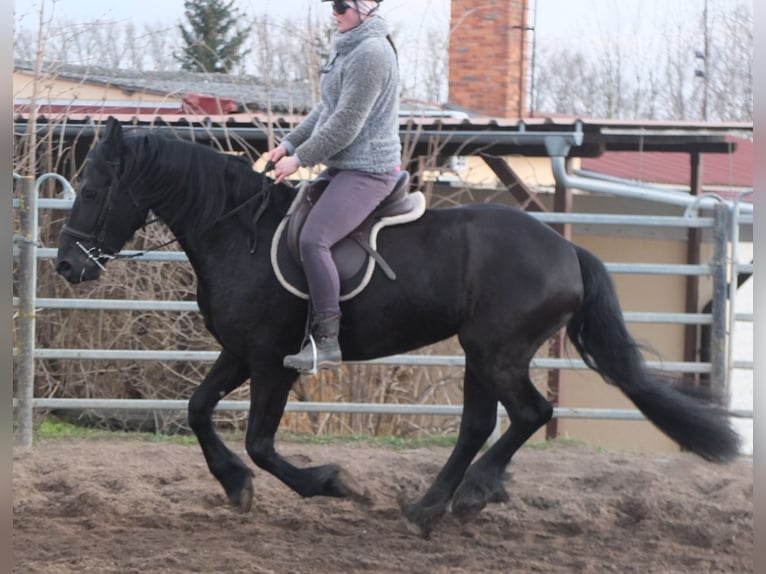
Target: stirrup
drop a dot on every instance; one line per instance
(310, 360)
(314, 356)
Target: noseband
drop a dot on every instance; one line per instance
(95, 237)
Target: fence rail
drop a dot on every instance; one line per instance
(25, 246)
(323, 407)
(168, 305)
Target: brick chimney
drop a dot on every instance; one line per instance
(487, 56)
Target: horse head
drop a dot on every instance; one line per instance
(104, 215)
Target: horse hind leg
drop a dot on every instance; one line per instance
(476, 425)
(484, 481)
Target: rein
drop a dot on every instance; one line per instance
(265, 192)
(97, 253)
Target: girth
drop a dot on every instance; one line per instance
(356, 255)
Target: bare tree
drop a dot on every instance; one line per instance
(424, 66)
(730, 89)
(565, 82)
(678, 89)
(657, 82)
(103, 43)
(160, 43)
(609, 80)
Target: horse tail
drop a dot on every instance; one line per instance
(692, 417)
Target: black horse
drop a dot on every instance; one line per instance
(499, 279)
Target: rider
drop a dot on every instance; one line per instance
(354, 133)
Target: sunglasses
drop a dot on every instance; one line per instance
(339, 7)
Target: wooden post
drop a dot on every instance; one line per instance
(694, 239)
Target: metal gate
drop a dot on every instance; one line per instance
(723, 266)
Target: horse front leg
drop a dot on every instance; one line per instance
(235, 476)
(269, 390)
(476, 425)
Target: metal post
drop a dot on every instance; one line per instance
(733, 287)
(719, 272)
(27, 300)
(562, 203)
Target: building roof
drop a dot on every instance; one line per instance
(427, 133)
(249, 92)
(734, 169)
(217, 106)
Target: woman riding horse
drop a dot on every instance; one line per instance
(354, 131)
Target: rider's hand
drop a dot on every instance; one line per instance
(277, 153)
(285, 167)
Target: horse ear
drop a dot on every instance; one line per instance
(112, 144)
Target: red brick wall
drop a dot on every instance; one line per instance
(487, 56)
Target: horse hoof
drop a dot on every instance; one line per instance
(414, 520)
(468, 503)
(243, 500)
(349, 487)
(499, 496)
(414, 528)
(465, 512)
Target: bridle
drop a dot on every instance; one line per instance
(101, 251)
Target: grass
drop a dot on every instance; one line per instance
(556, 443)
(386, 441)
(51, 428)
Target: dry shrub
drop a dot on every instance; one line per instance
(156, 330)
(382, 384)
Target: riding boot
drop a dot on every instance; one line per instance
(322, 351)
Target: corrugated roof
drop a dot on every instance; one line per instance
(249, 91)
(608, 129)
(423, 133)
(733, 170)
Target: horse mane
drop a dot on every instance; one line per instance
(186, 181)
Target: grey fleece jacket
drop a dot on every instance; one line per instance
(355, 125)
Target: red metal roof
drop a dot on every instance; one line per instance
(204, 104)
(732, 170)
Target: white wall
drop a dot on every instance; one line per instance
(742, 379)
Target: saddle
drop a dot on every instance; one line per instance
(356, 255)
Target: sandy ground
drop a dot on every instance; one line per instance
(108, 506)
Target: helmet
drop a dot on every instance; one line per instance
(340, 6)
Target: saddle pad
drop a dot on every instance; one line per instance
(355, 265)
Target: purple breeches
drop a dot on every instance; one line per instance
(349, 198)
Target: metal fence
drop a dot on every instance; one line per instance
(723, 268)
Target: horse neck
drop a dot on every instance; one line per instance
(210, 209)
(236, 242)
(185, 185)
